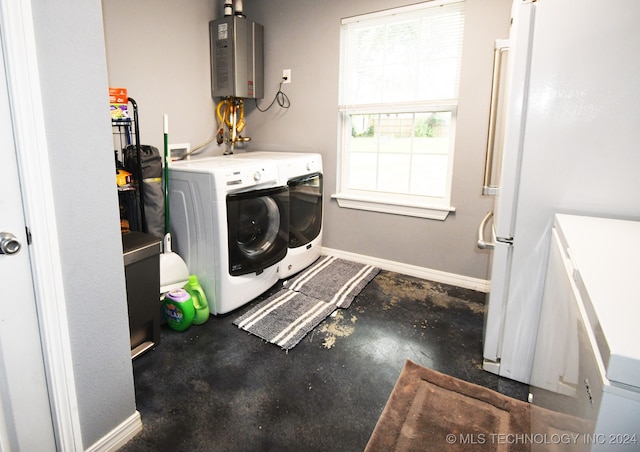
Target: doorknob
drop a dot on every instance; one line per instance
(9, 243)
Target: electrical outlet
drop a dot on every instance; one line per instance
(286, 76)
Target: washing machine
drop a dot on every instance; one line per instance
(230, 223)
(302, 174)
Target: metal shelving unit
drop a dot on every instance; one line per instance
(126, 136)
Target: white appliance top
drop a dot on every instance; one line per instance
(229, 172)
(269, 155)
(290, 164)
(606, 257)
(212, 164)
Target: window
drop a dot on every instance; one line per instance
(399, 72)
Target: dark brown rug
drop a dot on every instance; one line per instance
(430, 411)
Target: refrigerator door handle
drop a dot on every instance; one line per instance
(482, 243)
(489, 187)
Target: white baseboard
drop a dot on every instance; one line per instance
(466, 282)
(119, 436)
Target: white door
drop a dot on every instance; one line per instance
(25, 412)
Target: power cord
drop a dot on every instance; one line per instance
(280, 97)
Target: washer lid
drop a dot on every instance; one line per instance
(606, 257)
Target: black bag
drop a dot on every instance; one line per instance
(150, 157)
(152, 189)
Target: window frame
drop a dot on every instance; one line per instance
(373, 200)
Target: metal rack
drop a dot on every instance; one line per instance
(126, 134)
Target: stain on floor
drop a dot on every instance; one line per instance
(337, 325)
(433, 294)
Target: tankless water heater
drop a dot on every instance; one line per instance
(236, 57)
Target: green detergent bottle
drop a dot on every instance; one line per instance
(178, 309)
(199, 299)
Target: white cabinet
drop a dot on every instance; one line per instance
(587, 358)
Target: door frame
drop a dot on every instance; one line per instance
(23, 84)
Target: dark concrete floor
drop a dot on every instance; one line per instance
(217, 388)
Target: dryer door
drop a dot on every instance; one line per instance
(258, 229)
(305, 223)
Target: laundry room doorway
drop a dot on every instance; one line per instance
(38, 410)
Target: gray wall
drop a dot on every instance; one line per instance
(159, 51)
(73, 74)
(304, 36)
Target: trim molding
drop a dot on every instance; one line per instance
(481, 285)
(362, 203)
(119, 436)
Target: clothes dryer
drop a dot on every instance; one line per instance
(230, 222)
(302, 174)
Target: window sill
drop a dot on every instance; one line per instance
(350, 201)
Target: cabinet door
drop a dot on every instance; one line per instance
(565, 377)
(556, 358)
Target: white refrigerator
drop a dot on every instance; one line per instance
(567, 122)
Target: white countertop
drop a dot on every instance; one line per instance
(606, 256)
